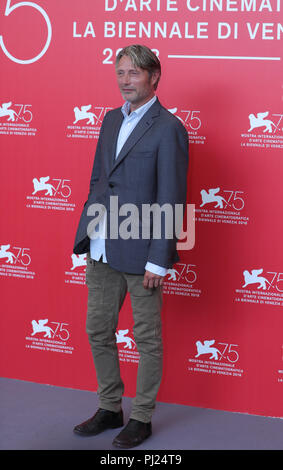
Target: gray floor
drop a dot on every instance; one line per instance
(41, 417)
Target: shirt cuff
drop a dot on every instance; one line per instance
(153, 268)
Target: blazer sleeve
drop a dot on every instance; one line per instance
(172, 167)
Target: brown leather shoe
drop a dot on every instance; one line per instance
(133, 434)
(102, 420)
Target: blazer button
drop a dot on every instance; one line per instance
(111, 185)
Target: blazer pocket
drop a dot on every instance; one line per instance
(142, 155)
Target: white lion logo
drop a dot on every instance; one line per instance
(7, 254)
(210, 196)
(4, 111)
(254, 278)
(172, 274)
(40, 185)
(260, 121)
(78, 260)
(206, 348)
(39, 327)
(83, 113)
(121, 338)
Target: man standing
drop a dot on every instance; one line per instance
(141, 158)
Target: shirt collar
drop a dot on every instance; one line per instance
(138, 112)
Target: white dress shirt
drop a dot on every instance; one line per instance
(97, 244)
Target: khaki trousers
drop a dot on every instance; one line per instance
(107, 289)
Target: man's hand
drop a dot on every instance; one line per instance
(151, 280)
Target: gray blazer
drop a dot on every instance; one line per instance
(150, 168)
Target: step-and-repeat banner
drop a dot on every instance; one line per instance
(223, 302)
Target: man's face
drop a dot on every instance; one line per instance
(134, 83)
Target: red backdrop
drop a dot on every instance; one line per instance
(223, 302)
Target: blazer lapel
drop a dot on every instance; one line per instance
(114, 137)
(141, 128)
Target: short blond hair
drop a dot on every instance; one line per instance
(142, 57)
